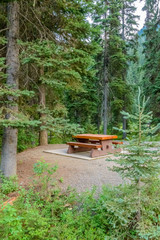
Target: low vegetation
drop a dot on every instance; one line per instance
(44, 212)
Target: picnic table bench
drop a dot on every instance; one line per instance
(98, 144)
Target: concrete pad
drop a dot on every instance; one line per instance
(81, 155)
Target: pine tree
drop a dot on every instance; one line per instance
(10, 117)
(117, 62)
(129, 31)
(129, 22)
(113, 21)
(135, 72)
(9, 147)
(152, 46)
(139, 164)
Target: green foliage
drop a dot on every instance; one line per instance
(117, 209)
(44, 212)
(139, 162)
(27, 138)
(82, 107)
(60, 128)
(57, 38)
(62, 66)
(9, 217)
(63, 69)
(8, 101)
(54, 215)
(135, 71)
(152, 57)
(2, 67)
(112, 215)
(7, 90)
(90, 127)
(41, 168)
(20, 121)
(44, 177)
(8, 185)
(117, 63)
(112, 17)
(149, 225)
(3, 41)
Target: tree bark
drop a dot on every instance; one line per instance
(124, 121)
(105, 77)
(124, 128)
(139, 200)
(9, 141)
(43, 134)
(123, 22)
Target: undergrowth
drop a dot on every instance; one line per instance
(43, 211)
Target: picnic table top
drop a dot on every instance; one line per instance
(95, 136)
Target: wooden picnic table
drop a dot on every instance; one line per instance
(99, 144)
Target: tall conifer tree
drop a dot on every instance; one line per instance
(152, 55)
(129, 31)
(9, 145)
(118, 27)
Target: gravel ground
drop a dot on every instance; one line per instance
(77, 173)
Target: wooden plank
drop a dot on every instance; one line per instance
(95, 136)
(9, 201)
(117, 142)
(87, 145)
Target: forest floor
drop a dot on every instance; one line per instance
(76, 173)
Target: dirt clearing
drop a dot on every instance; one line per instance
(77, 173)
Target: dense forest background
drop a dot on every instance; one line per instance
(72, 66)
(79, 66)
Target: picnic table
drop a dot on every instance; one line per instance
(98, 144)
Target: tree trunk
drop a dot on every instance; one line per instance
(105, 122)
(123, 22)
(43, 135)
(139, 200)
(105, 77)
(124, 128)
(148, 18)
(123, 75)
(9, 141)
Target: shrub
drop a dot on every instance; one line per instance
(8, 185)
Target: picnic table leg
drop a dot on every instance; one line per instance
(107, 147)
(103, 151)
(95, 153)
(70, 149)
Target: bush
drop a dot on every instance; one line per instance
(54, 215)
(8, 185)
